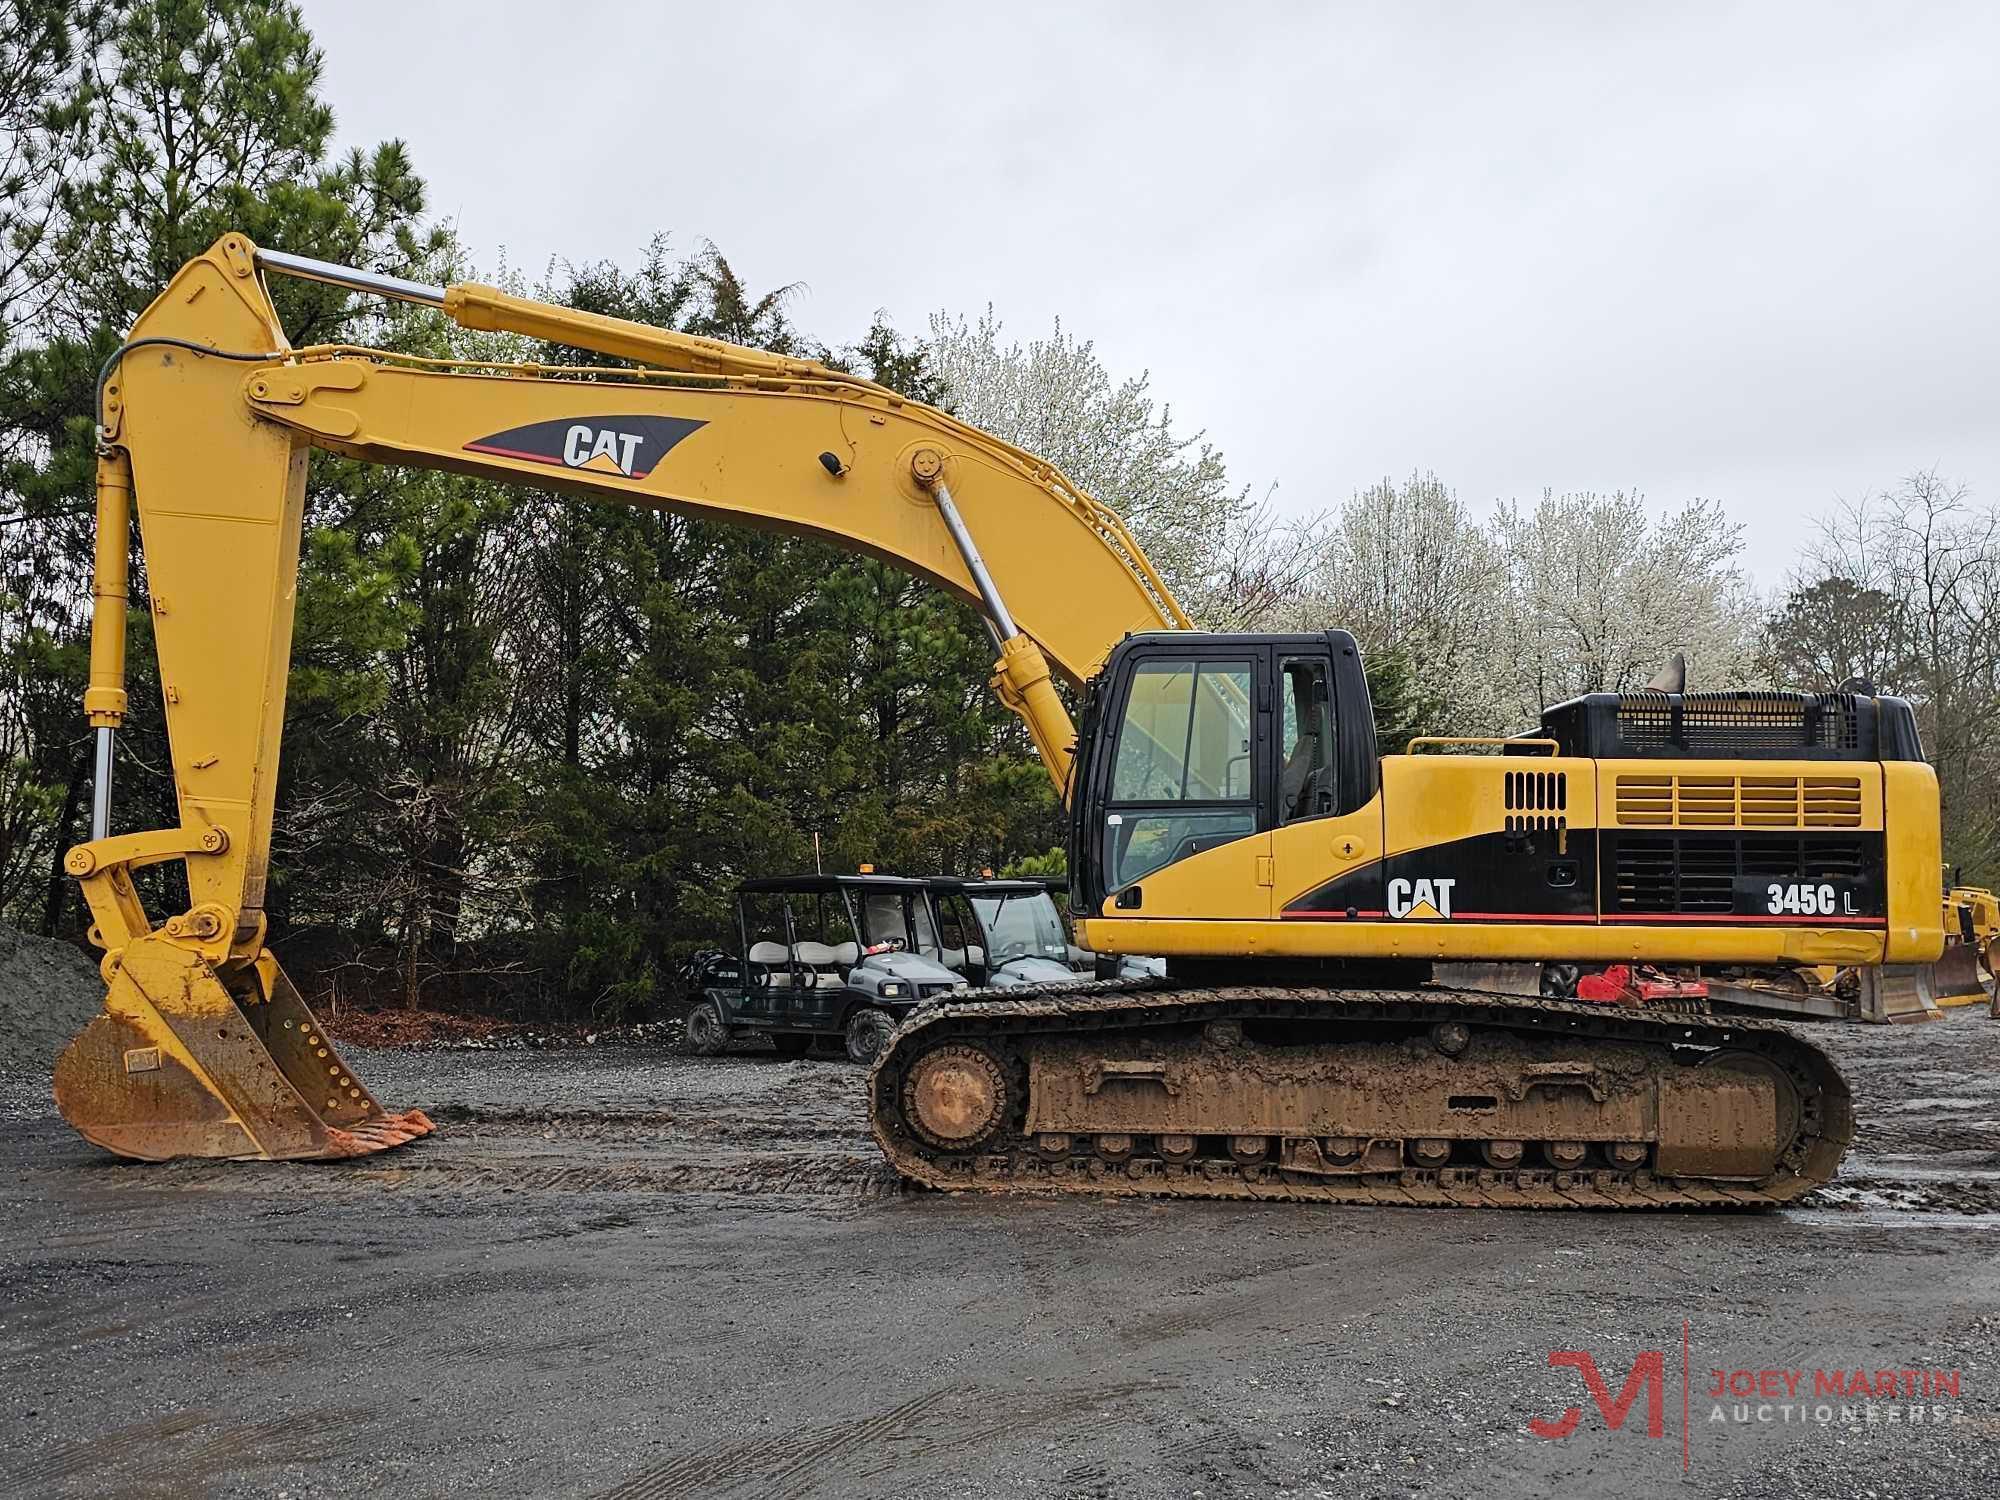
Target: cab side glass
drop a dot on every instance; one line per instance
(958, 934)
(1305, 746)
(1181, 773)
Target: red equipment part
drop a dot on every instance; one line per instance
(1621, 984)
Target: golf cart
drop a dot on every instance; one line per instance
(1004, 934)
(1008, 934)
(820, 957)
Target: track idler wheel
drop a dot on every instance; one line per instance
(956, 1097)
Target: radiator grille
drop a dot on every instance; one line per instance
(1665, 874)
(1664, 800)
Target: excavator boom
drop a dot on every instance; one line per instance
(207, 417)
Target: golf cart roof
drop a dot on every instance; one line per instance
(792, 884)
(989, 885)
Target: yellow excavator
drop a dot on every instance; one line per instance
(1226, 804)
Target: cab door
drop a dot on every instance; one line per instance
(1184, 827)
(1326, 842)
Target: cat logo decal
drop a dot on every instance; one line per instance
(622, 447)
(1420, 900)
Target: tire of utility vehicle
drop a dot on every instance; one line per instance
(706, 1033)
(791, 1045)
(868, 1031)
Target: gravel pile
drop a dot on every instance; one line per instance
(47, 991)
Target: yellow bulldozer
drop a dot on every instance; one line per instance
(1226, 804)
(1966, 971)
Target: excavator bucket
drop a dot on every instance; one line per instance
(181, 1064)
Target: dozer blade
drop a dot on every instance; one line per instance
(1956, 978)
(1898, 992)
(179, 1066)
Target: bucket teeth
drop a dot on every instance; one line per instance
(379, 1134)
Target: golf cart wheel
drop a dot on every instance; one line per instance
(790, 1044)
(868, 1031)
(706, 1033)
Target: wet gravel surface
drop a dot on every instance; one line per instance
(625, 1272)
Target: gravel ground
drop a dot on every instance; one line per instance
(624, 1272)
(51, 990)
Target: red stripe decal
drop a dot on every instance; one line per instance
(1461, 916)
(533, 458)
(1617, 920)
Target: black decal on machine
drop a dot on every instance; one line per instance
(624, 447)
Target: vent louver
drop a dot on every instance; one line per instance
(1659, 799)
(1537, 800)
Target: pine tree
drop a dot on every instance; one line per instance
(204, 115)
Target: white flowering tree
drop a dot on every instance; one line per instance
(1598, 596)
(1229, 558)
(1411, 572)
(1903, 587)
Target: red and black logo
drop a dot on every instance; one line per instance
(629, 447)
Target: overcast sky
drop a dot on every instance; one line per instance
(1745, 253)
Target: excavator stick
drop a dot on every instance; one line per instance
(184, 1063)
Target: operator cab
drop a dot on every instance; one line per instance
(1190, 740)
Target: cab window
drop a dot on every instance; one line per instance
(1305, 744)
(958, 936)
(1181, 774)
(1186, 736)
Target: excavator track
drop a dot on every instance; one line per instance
(1410, 1097)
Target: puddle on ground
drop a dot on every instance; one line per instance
(1886, 1216)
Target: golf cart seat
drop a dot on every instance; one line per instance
(819, 960)
(775, 959)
